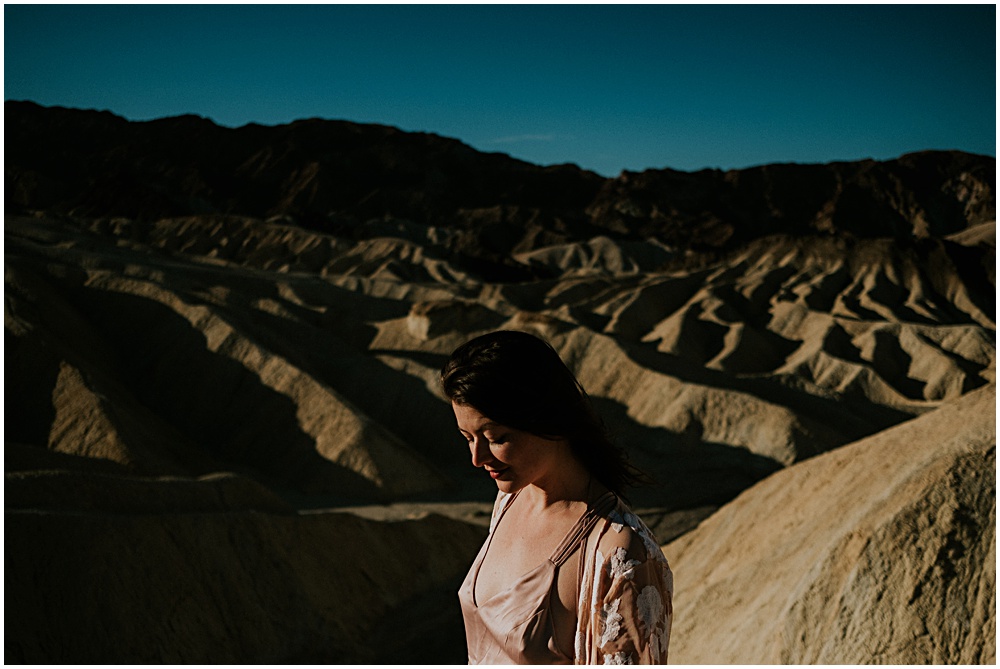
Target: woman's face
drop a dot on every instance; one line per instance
(513, 458)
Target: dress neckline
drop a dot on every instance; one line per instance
(562, 551)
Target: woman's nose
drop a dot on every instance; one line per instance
(480, 451)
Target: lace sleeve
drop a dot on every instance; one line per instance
(630, 607)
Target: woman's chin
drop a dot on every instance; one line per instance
(507, 485)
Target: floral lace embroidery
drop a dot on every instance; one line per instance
(658, 642)
(618, 658)
(619, 567)
(651, 548)
(626, 631)
(650, 608)
(618, 523)
(612, 622)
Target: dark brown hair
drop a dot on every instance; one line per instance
(518, 380)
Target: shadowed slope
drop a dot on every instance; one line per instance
(198, 580)
(166, 384)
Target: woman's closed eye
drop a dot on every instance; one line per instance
(492, 439)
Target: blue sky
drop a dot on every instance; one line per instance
(607, 87)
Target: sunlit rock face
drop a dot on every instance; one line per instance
(223, 427)
(883, 551)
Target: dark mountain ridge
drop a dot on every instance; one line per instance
(95, 163)
(334, 175)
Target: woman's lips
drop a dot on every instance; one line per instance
(497, 473)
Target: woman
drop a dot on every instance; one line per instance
(568, 572)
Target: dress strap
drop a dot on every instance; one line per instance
(571, 542)
(504, 500)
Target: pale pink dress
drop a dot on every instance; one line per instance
(624, 607)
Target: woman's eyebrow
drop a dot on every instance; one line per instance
(488, 425)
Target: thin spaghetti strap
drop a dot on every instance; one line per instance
(581, 568)
(499, 513)
(582, 529)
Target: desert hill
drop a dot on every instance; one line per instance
(882, 551)
(223, 345)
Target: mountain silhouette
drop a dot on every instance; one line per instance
(332, 176)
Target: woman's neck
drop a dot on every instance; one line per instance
(563, 488)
